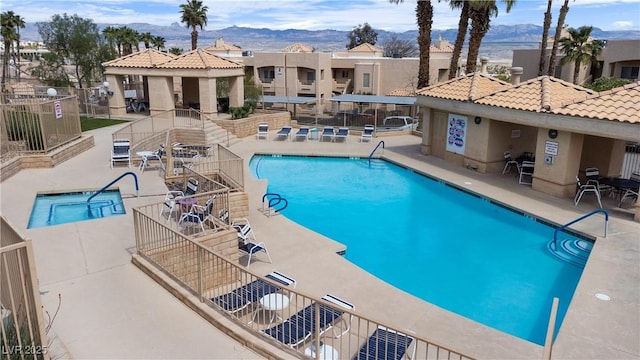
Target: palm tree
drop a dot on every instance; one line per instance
(545, 34)
(175, 50)
(480, 13)
(424, 15)
(556, 38)
(111, 34)
(146, 38)
(463, 25)
(8, 22)
(128, 38)
(194, 14)
(158, 42)
(19, 23)
(579, 48)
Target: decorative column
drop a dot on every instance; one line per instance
(208, 96)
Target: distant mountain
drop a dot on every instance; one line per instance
(504, 38)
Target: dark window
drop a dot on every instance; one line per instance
(629, 72)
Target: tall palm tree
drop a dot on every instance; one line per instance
(194, 14)
(545, 35)
(128, 39)
(19, 23)
(556, 38)
(111, 34)
(8, 23)
(463, 25)
(158, 42)
(480, 13)
(146, 38)
(580, 49)
(424, 17)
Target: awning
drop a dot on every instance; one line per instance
(375, 99)
(288, 99)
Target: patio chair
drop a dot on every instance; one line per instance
(247, 243)
(244, 296)
(155, 155)
(198, 214)
(285, 133)
(367, 133)
(593, 178)
(302, 134)
(302, 325)
(263, 131)
(342, 133)
(385, 344)
(526, 173)
(586, 188)
(509, 162)
(629, 194)
(328, 132)
(121, 152)
(173, 197)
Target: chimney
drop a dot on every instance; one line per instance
(483, 64)
(516, 72)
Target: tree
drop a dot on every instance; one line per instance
(78, 40)
(146, 38)
(463, 25)
(362, 34)
(578, 48)
(194, 14)
(607, 83)
(110, 33)
(127, 38)
(481, 12)
(175, 50)
(158, 42)
(556, 38)
(394, 47)
(10, 23)
(545, 35)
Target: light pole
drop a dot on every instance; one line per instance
(106, 90)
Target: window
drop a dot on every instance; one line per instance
(321, 74)
(345, 73)
(268, 74)
(629, 72)
(311, 76)
(366, 80)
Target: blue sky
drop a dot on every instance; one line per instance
(315, 15)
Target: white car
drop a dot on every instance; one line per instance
(398, 123)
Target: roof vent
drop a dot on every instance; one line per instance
(483, 64)
(516, 72)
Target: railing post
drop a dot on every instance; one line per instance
(548, 341)
(199, 267)
(317, 331)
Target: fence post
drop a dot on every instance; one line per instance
(548, 341)
(200, 255)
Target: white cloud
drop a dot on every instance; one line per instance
(622, 25)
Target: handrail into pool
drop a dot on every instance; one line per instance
(606, 221)
(277, 199)
(135, 179)
(376, 148)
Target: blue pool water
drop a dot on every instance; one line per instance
(448, 247)
(68, 207)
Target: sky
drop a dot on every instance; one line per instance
(317, 15)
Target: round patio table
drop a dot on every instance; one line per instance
(621, 185)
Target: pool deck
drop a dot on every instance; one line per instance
(109, 309)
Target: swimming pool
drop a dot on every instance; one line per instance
(62, 208)
(448, 247)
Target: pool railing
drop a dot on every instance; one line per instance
(208, 266)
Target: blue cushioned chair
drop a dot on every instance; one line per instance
(385, 344)
(244, 296)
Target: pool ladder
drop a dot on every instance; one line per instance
(269, 207)
(575, 251)
(135, 179)
(381, 143)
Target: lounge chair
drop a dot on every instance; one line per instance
(198, 214)
(302, 134)
(244, 296)
(367, 133)
(299, 327)
(173, 197)
(285, 133)
(121, 152)
(328, 132)
(343, 133)
(385, 344)
(247, 243)
(263, 131)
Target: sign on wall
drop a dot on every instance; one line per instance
(551, 148)
(457, 133)
(58, 109)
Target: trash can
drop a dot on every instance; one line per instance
(313, 134)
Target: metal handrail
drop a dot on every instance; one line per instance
(274, 201)
(135, 178)
(376, 148)
(606, 221)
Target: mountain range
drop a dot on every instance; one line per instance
(497, 44)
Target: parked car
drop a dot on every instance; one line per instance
(398, 123)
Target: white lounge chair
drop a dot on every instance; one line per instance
(367, 133)
(285, 133)
(302, 134)
(343, 133)
(328, 132)
(121, 152)
(263, 131)
(247, 243)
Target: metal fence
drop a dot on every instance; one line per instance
(353, 116)
(631, 162)
(23, 329)
(203, 263)
(38, 125)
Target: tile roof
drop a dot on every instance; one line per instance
(469, 87)
(200, 59)
(540, 94)
(221, 45)
(400, 92)
(619, 104)
(365, 47)
(147, 58)
(297, 48)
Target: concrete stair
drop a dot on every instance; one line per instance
(215, 134)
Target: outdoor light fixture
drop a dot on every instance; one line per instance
(477, 120)
(52, 92)
(553, 133)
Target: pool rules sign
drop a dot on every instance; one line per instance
(57, 106)
(457, 133)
